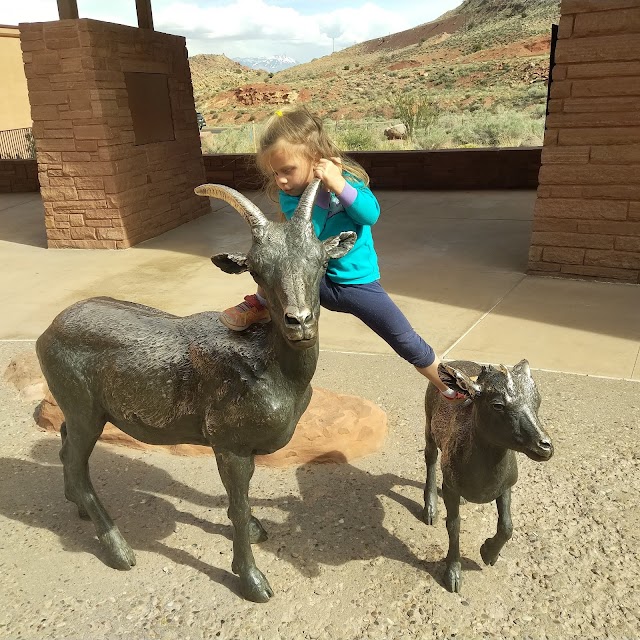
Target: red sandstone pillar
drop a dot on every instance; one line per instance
(587, 215)
(117, 143)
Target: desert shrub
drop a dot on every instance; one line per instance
(353, 137)
(540, 110)
(376, 110)
(232, 140)
(414, 111)
(433, 137)
(536, 91)
(505, 128)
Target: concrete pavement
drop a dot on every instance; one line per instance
(347, 555)
(453, 261)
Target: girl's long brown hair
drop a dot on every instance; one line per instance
(299, 127)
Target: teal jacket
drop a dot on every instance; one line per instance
(355, 209)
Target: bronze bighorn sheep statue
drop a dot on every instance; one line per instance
(477, 438)
(164, 379)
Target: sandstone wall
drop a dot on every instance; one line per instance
(587, 215)
(18, 175)
(442, 169)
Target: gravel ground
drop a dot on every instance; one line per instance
(347, 556)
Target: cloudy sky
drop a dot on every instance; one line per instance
(301, 29)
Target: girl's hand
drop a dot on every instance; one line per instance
(330, 172)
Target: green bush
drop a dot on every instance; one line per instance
(433, 137)
(355, 138)
(450, 130)
(231, 140)
(505, 128)
(414, 111)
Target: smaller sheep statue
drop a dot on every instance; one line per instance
(478, 438)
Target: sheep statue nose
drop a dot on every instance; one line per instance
(297, 317)
(545, 446)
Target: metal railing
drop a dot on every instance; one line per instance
(17, 144)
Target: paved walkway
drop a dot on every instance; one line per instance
(454, 262)
(346, 556)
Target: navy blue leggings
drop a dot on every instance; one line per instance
(372, 304)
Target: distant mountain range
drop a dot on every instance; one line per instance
(271, 63)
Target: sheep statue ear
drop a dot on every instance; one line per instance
(340, 245)
(230, 262)
(458, 380)
(522, 368)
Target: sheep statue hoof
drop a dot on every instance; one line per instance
(488, 551)
(120, 554)
(430, 514)
(453, 577)
(254, 586)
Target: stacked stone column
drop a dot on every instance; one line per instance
(99, 188)
(587, 215)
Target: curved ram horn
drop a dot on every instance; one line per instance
(305, 206)
(244, 206)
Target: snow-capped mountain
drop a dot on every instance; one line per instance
(271, 63)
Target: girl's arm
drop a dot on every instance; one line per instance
(357, 199)
(360, 203)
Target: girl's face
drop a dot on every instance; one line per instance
(292, 168)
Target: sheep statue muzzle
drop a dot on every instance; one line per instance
(478, 438)
(164, 379)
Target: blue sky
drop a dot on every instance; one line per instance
(240, 28)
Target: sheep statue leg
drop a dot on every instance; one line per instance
(236, 472)
(430, 511)
(79, 435)
(257, 532)
(452, 574)
(490, 550)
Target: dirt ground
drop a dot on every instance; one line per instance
(347, 556)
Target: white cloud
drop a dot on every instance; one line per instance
(238, 28)
(253, 27)
(365, 22)
(30, 11)
(243, 19)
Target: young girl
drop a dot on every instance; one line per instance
(294, 149)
